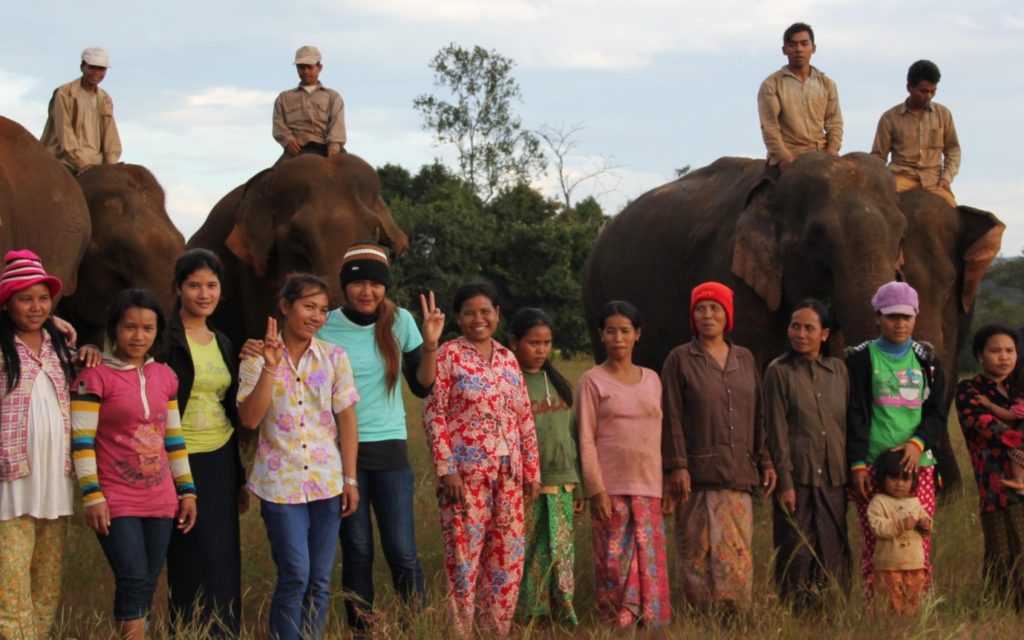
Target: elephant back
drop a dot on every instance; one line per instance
(41, 206)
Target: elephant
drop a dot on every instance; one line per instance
(41, 206)
(300, 215)
(134, 244)
(829, 228)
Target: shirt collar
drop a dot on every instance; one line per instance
(906, 107)
(698, 350)
(786, 71)
(314, 351)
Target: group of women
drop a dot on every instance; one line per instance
(149, 427)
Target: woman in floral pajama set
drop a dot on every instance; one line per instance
(480, 431)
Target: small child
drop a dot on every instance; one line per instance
(899, 522)
(1012, 439)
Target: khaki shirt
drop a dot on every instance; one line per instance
(797, 117)
(80, 128)
(926, 147)
(310, 117)
(805, 410)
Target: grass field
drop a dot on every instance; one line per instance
(957, 607)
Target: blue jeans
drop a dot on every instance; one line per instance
(390, 494)
(135, 549)
(303, 543)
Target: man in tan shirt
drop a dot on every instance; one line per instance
(80, 128)
(309, 118)
(920, 137)
(798, 105)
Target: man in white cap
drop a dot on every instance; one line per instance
(80, 129)
(309, 118)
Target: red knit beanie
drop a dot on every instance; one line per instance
(716, 292)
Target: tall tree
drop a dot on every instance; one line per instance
(495, 151)
(561, 146)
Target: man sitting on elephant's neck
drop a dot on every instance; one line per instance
(80, 128)
(309, 118)
(920, 136)
(798, 105)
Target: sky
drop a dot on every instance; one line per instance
(654, 84)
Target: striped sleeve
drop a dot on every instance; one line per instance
(85, 411)
(177, 455)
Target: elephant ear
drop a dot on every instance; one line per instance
(252, 237)
(755, 255)
(981, 239)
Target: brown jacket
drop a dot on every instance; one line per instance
(926, 148)
(64, 134)
(310, 117)
(797, 117)
(805, 410)
(713, 421)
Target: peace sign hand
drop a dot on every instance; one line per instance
(273, 348)
(433, 322)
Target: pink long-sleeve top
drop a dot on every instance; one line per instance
(620, 434)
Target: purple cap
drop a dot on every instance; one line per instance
(895, 298)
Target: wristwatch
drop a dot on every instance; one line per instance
(351, 481)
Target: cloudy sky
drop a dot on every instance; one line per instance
(657, 84)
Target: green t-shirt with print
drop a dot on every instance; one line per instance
(898, 393)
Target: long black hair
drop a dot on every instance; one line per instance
(12, 362)
(890, 465)
(823, 319)
(527, 318)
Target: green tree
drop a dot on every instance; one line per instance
(495, 151)
(1000, 300)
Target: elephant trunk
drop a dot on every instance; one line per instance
(854, 317)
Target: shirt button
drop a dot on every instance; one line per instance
(305, 467)
(298, 379)
(819, 470)
(300, 401)
(303, 445)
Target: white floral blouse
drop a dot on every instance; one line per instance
(297, 456)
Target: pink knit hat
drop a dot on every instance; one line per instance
(22, 269)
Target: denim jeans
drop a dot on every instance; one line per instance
(390, 494)
(303, 544)
(135, 549)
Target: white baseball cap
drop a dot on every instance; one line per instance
(96, 56)
(307, 55)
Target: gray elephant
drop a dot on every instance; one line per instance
(828, 228)
(133, 244)
(300, 215)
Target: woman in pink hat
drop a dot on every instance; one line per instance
(715, 454)
(897, 403)
(36, 486)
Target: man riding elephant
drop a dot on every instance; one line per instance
(309, 118)
(798, 105)
(80, 129)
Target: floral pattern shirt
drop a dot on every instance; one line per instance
(478, 408)
(298, 459)
(987, 439)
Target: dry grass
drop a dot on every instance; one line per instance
(957, 608)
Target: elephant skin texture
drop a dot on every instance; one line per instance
(300, 215)
(134, 244)
(41, 206)
(829, 228)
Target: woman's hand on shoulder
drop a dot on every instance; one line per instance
(251, 349)
(87, 356)
(64, 327)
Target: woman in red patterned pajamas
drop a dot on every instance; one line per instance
(480, 431)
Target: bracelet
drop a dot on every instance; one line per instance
(270, 371)
(350, 481)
